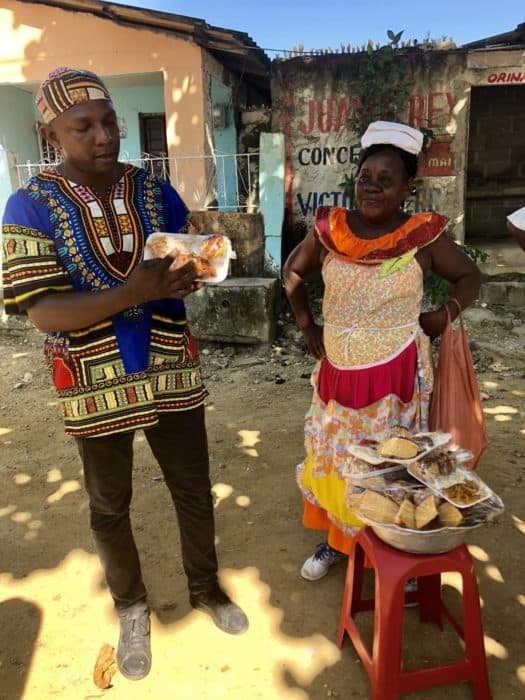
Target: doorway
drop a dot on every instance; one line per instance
(225, 145)
(153, 143)
(496, 161)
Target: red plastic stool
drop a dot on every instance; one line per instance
(392, 569)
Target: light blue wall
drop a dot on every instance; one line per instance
(17, 118)
(128, 103)
(17, 136)
(271, 197)
(18, 115)
(5, 184)
(225, 142)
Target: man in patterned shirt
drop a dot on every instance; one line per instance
(117, 343)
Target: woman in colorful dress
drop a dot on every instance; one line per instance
(374, 370)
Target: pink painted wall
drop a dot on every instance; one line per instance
(36, 39)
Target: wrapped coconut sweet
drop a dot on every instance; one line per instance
(211, 253)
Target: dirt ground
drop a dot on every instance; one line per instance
(55, 612)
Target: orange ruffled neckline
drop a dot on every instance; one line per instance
(347, 243)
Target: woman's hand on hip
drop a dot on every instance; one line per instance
(433, 323)
(313, 337)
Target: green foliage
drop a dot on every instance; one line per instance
(394, 38)
(383, 85)
(382, 89)
(436, 289)
(370, 47)
(475, 254)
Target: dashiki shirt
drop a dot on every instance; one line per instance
(377, 372)
(58, 236)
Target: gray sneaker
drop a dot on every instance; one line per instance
(227, 616)
(316, 566)
(134, 647)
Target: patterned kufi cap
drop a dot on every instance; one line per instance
(400, 135)
(66, 87)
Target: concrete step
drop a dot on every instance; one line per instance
(507, 293)
(505, 256)
(238, 310)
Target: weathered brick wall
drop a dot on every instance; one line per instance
(486, 215)
(496, 159)
(253, 121)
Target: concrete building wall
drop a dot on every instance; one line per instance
(313, 98)
(491, 140)
(221, 87)
(494, 84)
(253, 122)
(212, 71)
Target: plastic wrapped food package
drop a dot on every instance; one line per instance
(357, 468)
(399, 500)
(483, 512)
(442, 539)
(377, 479)
(365, 461)
(461, 487)
(396, 449)
(398, 528)
(211, 253)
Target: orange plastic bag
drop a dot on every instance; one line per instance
(455, 406)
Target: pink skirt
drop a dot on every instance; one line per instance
(357, 388)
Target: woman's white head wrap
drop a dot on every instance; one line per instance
(400, 135)
(517, 218)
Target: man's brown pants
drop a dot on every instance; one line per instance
(179, 444)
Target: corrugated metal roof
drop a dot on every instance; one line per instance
(235, 50)
(512, 39)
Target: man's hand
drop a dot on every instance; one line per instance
(153, 279)
(150, 280)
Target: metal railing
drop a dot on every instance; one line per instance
(231, 181)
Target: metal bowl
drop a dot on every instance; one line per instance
(441, 540)
(419, 541)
